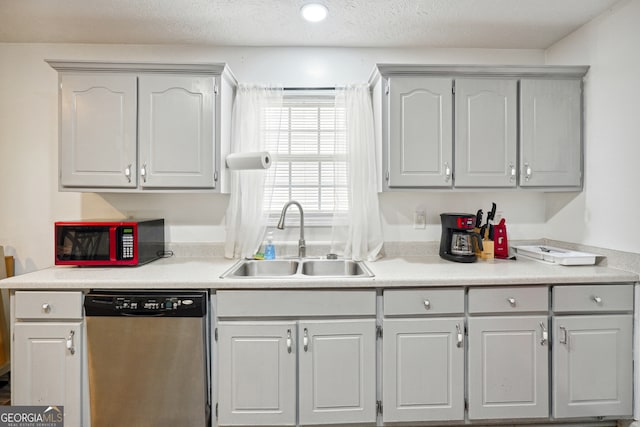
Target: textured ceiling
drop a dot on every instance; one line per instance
(357, 23)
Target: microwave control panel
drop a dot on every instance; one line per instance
(126, 243)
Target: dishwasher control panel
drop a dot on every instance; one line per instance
(183, 304)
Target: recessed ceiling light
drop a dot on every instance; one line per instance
(314, 12)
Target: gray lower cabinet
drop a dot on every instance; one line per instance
(592, 351)
(257, 373)
(337, 365)
(322, 370)
(46, 352)
(508, 360)
(423, 370)
(297, 360)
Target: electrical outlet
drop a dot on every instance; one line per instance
(419, 219)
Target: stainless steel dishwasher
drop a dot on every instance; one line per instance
(147, 354)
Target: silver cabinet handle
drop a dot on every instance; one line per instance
(459, 336)
(427, 304)
(512, 301)
(527, 172)
(70, 345)
(447, 172)
(143, 172)
(46, 308)
(545, 334)
(512, 168)
(127, 173)
(564, 339)
(289, 342)
(597, 300)
(305, 340)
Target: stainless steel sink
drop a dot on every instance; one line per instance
(334, 267)
(297, 268)
(271, 268)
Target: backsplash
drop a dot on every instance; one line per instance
(615, 259)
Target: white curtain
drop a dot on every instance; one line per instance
(357, 233)
(246, 220)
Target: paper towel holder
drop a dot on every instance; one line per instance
(255, 160)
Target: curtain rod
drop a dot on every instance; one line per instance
(309, 88)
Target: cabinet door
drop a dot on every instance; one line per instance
(337, 372)
(176, 124)
(486, 132)
(550, 133)
(46, 367)
(98, 130)
(508, 367)
(257, 373)
(423, 370)
(420, 132)
(592, 366)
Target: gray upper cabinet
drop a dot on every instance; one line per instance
(551, 133)
(486, 132)
(176, 131)
(505, 127)
(420, 132)
(98, 150)
(143, 126)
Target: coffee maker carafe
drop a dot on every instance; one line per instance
(456, 243)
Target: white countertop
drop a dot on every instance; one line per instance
(423, 271)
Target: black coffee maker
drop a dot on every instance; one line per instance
(456, 243)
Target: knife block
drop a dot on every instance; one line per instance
(487, 250)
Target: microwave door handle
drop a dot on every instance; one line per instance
(113, 244)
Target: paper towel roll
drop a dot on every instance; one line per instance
(244, 161)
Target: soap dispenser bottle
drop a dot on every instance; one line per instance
(269, 249)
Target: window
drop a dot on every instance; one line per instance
(306, 139)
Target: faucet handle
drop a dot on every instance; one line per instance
(332, 256)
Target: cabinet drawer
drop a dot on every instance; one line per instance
(508, 299)
(48, 305)
(423, 302)
(592, 298)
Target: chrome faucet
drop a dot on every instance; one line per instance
(302, 248)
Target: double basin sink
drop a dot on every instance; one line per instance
(298, 268)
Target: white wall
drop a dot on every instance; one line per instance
(604, 214)
(30, 202)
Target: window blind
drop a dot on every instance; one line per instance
(307, 142)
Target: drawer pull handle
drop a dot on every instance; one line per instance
(459, 336)
(305, 340)
(46, 308)
(70, 345)
(512, 301)
(427, 304)
(545, 334)
(597, 300)
(564, 339)
(289, 342)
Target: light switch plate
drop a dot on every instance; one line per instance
(419, 219)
